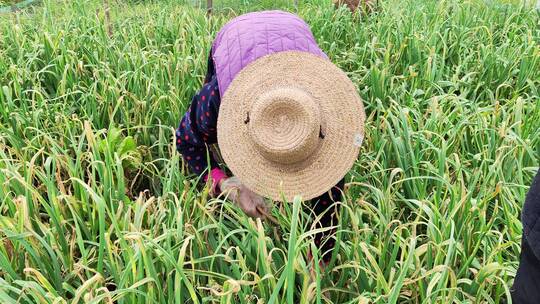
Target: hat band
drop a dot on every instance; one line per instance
(284, 124)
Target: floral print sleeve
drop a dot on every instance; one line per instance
(197, 129)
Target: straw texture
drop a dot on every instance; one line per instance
(290, 123)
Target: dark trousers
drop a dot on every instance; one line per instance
(324, 207)
(526, 287)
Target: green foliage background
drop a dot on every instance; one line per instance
(96, 205)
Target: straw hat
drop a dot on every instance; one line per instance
(290, 123)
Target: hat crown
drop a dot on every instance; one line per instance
(284, 124)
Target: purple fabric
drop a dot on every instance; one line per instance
(248, 37)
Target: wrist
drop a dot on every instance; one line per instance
(220, 182)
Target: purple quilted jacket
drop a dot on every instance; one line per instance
(251, 36)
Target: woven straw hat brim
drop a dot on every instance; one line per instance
(341, 116)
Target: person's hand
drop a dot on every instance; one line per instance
(251, 203)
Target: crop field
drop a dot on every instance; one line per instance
(96, 205)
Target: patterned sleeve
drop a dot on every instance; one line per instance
(197, 130)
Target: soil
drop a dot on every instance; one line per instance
(354, 5)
